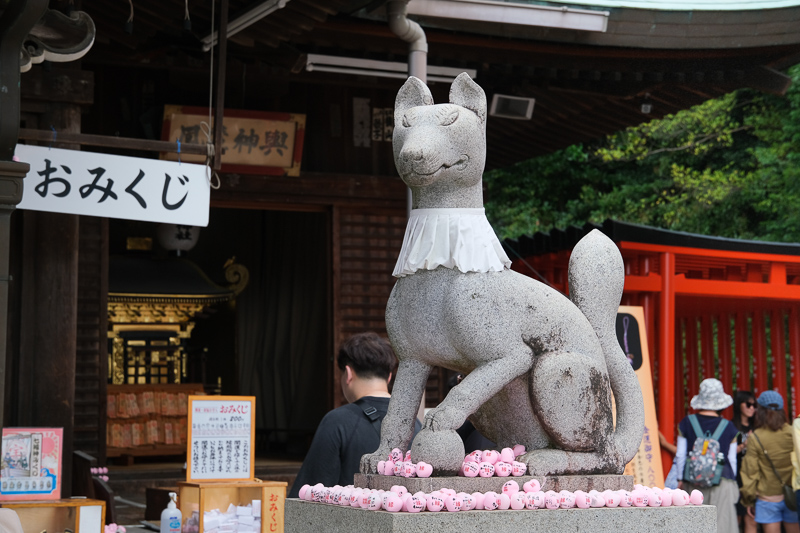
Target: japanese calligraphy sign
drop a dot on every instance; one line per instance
(31, 464)
(645, 467)
(88, 183)
(253, 142)
(221, 438)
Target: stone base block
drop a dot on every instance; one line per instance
(485, 484)
(307, 517)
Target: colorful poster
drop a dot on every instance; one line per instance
(31, 464)
(221, 438)
(646, 465)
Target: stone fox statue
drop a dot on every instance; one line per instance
(540, 368)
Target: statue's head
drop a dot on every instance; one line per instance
(436, 142)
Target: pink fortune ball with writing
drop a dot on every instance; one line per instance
(409, 469)
(696, 498)
(507, 455)
(345, 499)
(502, 469)
(680, 497)
(532, 486)
(453, 503)
(434, 502)
(393, 503)
(518, 501)
(510, 487)
(655, 499)
(486, 469)
(399, 490)
(639, 498)
(503, 502)
(398, 469)
(388, 468)
(396, 455)
(534, 500)
(552, 500)
(478, 496)
(424, 469)
(490, 456)
(627, 498)
(467, 501)
(374, 501)
(470, 469)
(414, 504)
(490, 502)
(355, 496)
(381, 467)
(612, 498)
(582, 500)
(518, 469)
(519, 449)
(407, 458)
(666, 498)
(475, 456)
(567, 499)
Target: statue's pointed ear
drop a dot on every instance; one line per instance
(467, 93)
(413, 93)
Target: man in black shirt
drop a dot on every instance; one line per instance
(366, 361)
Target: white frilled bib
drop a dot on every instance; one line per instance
(452, 238)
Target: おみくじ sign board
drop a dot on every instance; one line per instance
(113, 186)
(221, 437)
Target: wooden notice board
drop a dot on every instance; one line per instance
(221, 438)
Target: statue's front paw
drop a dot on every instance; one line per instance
(369, 462)
(443, 418)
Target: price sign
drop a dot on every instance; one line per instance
(221, 438)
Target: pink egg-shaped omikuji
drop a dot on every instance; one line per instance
(567, 499)
(435, 502)
(626, 499)
(531, 486)
(680, 497)
(518, 501)
(396, 455)
(582, 500)
(381, 467)
(612, 498)
(535, 500)
(394, 503)
(399, 490)
(490, 502)
(518, 469)
(303, 489)
(354, 497)
(519, 449)
(552, 500)
(596, 499)
(478, 501)
(654, 499)
(639, 498)
(388, 468)
(407, 457)
(475, 456)
(470, 469)
(453, 503)
(424, 469)
(486, 469)
(409, 469)
(696, 497)
(510, 487)
(507, 455)
(374, 501)
(502, 469)
(467, 501)
(503, 502)
(344, 498)
(398, 469)
(415, 504)
(666, 498)
(490, 456)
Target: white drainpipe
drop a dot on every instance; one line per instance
(412, 33)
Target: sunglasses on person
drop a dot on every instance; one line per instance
(750, 404)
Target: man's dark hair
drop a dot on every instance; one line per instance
(368, 354)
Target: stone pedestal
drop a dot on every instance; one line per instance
(307, 517)
(485, 484)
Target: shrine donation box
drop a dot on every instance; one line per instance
(244, 506)
(80, 515)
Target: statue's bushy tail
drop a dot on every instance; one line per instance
(596, 280)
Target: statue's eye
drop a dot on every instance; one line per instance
(408, 120)
(449, 117)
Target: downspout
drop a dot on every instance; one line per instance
(412, 33)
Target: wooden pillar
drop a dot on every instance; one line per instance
(725, 359)
(743, 377)
(707, 347)
(778, 344)
(680, 371)
(666, 353)
(692, 358)
(759, 353)
(794, 356)
(48, 337)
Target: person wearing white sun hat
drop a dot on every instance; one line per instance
(709, 404)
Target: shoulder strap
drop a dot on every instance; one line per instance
(768, 457)
(698, 431)
(372, 414)
(720, 428)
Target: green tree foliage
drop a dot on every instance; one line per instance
(729, 167)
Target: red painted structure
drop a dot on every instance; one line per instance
(713, 307)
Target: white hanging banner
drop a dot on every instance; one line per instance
(114, 186)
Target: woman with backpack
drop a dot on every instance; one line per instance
(706, 457)
(767, 467)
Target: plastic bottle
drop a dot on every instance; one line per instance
(171, 516)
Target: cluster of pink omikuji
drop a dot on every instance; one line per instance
(487, 463)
